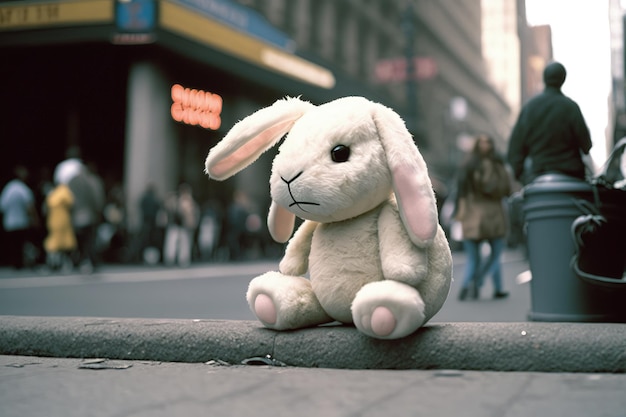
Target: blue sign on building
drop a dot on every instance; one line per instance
(242, 19)
(135, 15)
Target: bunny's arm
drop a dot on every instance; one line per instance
(401, 260)
(296, 259)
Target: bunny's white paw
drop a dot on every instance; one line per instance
(388, 309)
(284, 302)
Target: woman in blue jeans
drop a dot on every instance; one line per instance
(484, 183)
(477, 268)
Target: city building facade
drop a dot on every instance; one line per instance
(98, 74)
(617, 21)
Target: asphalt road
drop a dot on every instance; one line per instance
(210, 291)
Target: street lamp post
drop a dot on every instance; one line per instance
(457, 112)
(408, 27)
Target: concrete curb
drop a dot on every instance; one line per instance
(527, 347)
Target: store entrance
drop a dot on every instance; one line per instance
(54, 97)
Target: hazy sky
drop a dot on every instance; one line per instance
(580, 37)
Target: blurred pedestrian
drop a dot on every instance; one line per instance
(61, 240)
(183, 217)
(550, 135)
(209, 230)
(69, 167)
(112, 232)
(88, 190)
(45, 184)
(484, 183)
(19, 220)
(150, 239)
(237, 215)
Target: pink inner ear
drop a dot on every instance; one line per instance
(243, 156)
(416, 204)
(248, 152)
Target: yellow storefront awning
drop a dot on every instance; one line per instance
(174, 16)
(29, 15)
(181, 20)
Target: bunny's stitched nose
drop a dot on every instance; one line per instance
(295, 202)
(288, 182)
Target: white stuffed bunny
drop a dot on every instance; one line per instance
(371, 241)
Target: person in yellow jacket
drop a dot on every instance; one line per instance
(61, 240)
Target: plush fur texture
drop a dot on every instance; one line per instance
(371, 243)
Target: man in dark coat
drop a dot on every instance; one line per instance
(550, 134)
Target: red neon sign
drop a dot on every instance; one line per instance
(196, 107)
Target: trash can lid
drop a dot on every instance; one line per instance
(552, 183)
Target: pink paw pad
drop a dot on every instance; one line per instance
(383, 321)
(264, 309)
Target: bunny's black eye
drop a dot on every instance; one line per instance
(340, 153)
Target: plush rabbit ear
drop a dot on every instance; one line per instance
(280, 223)
(411, 184)
(252, 136)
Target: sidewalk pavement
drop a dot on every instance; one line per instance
(128, 367)
(125, 367)
(172, 367)
(54, 387)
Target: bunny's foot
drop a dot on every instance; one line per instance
(388, 309)
(284, 302)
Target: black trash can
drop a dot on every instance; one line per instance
(551, 204)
